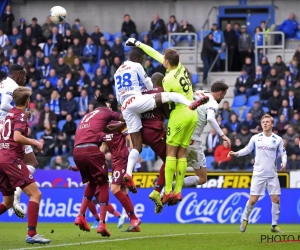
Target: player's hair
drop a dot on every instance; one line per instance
(135, 53)
(218, 86)
(267, 116)
(15, 68)
(101, 101)
(21, 95)
(157, 78)
(172, 56)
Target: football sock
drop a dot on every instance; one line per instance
(180, 174)
(129, 200)
(103, 200)
(132, 160)
(191, 181)
(103, 210)
(174, 97)
(160, 183)
(170, 169)
(3, 209)
(247, 211)
(33, 213)
(275, 213)
(126, 204)
(111, 210)
(92, 208)
(89, 192)
(31, 169)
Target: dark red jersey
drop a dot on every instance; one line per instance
(153, 119)
(10, 150)
(90, 128)
(116, 143)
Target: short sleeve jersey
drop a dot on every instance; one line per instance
(90, 128)
(7, 88)
(15, 120)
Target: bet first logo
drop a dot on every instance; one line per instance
(264, 238)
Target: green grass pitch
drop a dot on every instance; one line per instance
(151, 237)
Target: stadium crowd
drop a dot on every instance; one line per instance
(68, 66)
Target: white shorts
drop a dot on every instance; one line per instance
(132, 108)
(260, 184)
(195, 156)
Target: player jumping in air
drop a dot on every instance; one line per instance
(182, 120)
(17, 77)
(91, 161)
(13, 171)
(130, 79)
(266, 145)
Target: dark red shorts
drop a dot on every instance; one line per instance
(118, 171)
(156, 139)
(14, 175)
(91, 164)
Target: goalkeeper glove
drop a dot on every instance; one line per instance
(131, 42)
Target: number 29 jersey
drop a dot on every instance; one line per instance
(130, 79)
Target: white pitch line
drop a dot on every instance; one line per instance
(127, 239)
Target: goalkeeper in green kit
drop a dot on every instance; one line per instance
(182, 120)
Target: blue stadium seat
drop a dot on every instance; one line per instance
(126, 48)
(209, 160)
(251, 100)
(77, 122)
(41, 87)
(199, 35)
(107, 36)
(91, 76)
(71, 160)
(39, 135)
(110, 43)
(155, 63)
(246, 110)
(165, 45)
(297, 36)
(236, 110)
(195, 78)
(61, 124)
(87, 67)
(266, 109)
(142, 35)
(117, 34)
(156, 45)
(76, 99)
(239, 101)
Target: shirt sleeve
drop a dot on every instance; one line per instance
(20, 123)
(248, 149)
(115, 116)
(152, 52)
(6, 101)
(282, 151)
(211, 118)
(143, 77)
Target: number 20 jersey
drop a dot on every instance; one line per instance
(129, 80)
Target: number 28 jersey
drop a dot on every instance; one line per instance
(130, 79)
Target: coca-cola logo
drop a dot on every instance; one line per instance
(229, 210)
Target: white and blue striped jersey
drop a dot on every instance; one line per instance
(130, 79)
(266, 149)
(7, 88)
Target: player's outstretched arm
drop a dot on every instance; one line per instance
(283, 155)
(115, 127)
(147, 49)
(5, 104)
(21, 139)
(245, 151)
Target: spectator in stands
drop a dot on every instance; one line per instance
(172, 27)
(128, 28)
(39, 59)
(89, 52)
(293, 163)
(280, 66)
(27, 37)
(61, 88)
(290, 136)
(295, 122)
(297, 54)
(147, 158)
(244, 135)
(49, 139)
(36, 29)
(237, 161)
(108, 57)
(97, 80)
(266, 93)
(7, 49)
(102, 65)
(34, 89)
(250, 123)
(82, 35)
(208, 54)
(96, 35)
(289, 78)
(57, 39)
(118, 49)
(296, 88)
(149, 68)
(67, 41)
(283, 88)
(47, 118)
(46, 67)
(257, 112)
(69, 127)
(68, 106)
(28, 58)
(106, 87)
(63, 27)
(39, 102)
(47, 28)
(7, 19)
(260, 41)
(53, 77)
(83, 103)
(116, 64)
(233, 125)
(5, 66)
(76, 67)
(231, 43)
(289, 27)
(282, 125)
(258, 81)
(34, 47)
(147, 41)
(22, 26)
(274, 77)
(186, 28)
(34, 74)
(84, 80)
(286, 109)
(225, 112)
(55, 103)
(60, 163)
(243, 85)
(157, 29)
(70, 82)
(220, 155)
(218, 38)
(34, 119)
(275, 102)
(294, 102)
(61, 68)
(48, 47)
(212, 141)
(76, 47)
(265, 66)
(294, 68)
(60, 147)
(13, 58)
(76, 27)
(245, 44)
(236, 29)
(20, 46)
(14, 36)
(249, 66)
(103, 44)
(69, 58)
